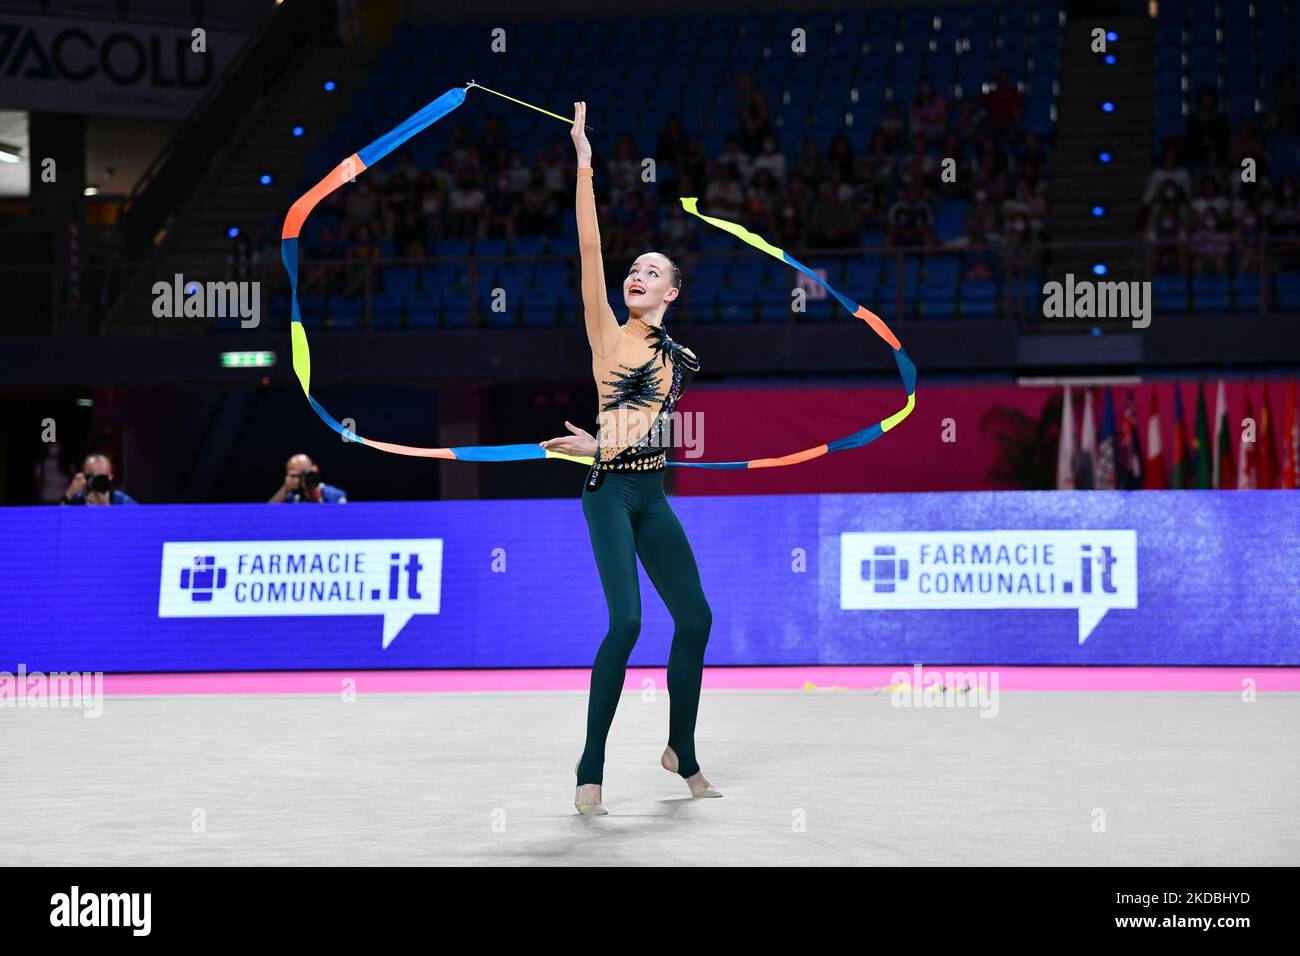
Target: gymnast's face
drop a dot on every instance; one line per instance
(649, 283)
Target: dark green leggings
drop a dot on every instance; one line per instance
(629, 516)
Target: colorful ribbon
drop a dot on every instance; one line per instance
(363, 159)
(906, 370)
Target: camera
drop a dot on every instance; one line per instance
(100, 484)
(308, 479)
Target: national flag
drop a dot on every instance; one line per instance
(1224, 474)
(1129, 463)
(1178, 473)
(1154, 476)
(1105, 480)
(1266, 464)
(1290, 442)
(1065, 450)
(1087, 458)
(1248, 451)
(1202, 452)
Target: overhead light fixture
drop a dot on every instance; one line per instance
(90, 191)
(10, 154)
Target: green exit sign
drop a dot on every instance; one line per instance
(247, 359)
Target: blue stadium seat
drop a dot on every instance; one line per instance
(1246, 292)
(1170, 293)
(1210, 293)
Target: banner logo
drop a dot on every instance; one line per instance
(1089, 571)
(396, 578)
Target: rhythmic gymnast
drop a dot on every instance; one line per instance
(636, 366)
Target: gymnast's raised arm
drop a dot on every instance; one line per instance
(602, 327)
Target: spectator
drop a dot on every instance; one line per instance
(671, 147)
(881, 155)
(724, 195)
(1026, 202)
(466, 204)
(50, 477)
(94, 484)
(406, 164)
(537, 206)
(911, 221)
(793, 213)
(920, 169)
(1002, 109)
(1249, 233)
(492, 149)
(408, 233)
(754, 122)
(982, 231)
(624, 170)
(1284, 114)
(891, 128)
(952, 149)
(1019, 249)
(1172, 171)
(502, 207)
(363, 209)
(1167, 230)
(463, 154)
(1284, 224)
(431, 198)
(1032, 161)
(362, 255)
(1210, 245)
(928, 115)
(553, 164)
(771, 160)
(695, 167)
(967, 125)
(677, 238)
(841, 157)
(1248, 145)
(518, 172)
(764, 195)
(302, 483)
(833, 223)
(738, 160)
(1209, 198)
(811, 165)
(868, 195)
(1207, 126)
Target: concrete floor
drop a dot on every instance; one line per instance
(816, 777)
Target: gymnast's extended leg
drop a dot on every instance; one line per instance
(670, 564)
(608, 512)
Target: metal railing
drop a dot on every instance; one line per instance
(900, 284)
(169, 180)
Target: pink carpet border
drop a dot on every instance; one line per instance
(1133, 679)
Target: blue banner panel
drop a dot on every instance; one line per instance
(1193, 577)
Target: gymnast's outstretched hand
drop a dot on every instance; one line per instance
(579, 134)
(579, 444)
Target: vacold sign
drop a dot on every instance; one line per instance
(87, 66)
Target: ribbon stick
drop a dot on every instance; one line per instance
(906, 370)
(344, 172)
(364, 158)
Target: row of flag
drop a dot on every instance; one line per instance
(1241, 454)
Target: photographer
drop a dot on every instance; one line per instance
(93, 485)
(302, 483)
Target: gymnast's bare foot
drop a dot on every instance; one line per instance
(587, 800)
(700, 787)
